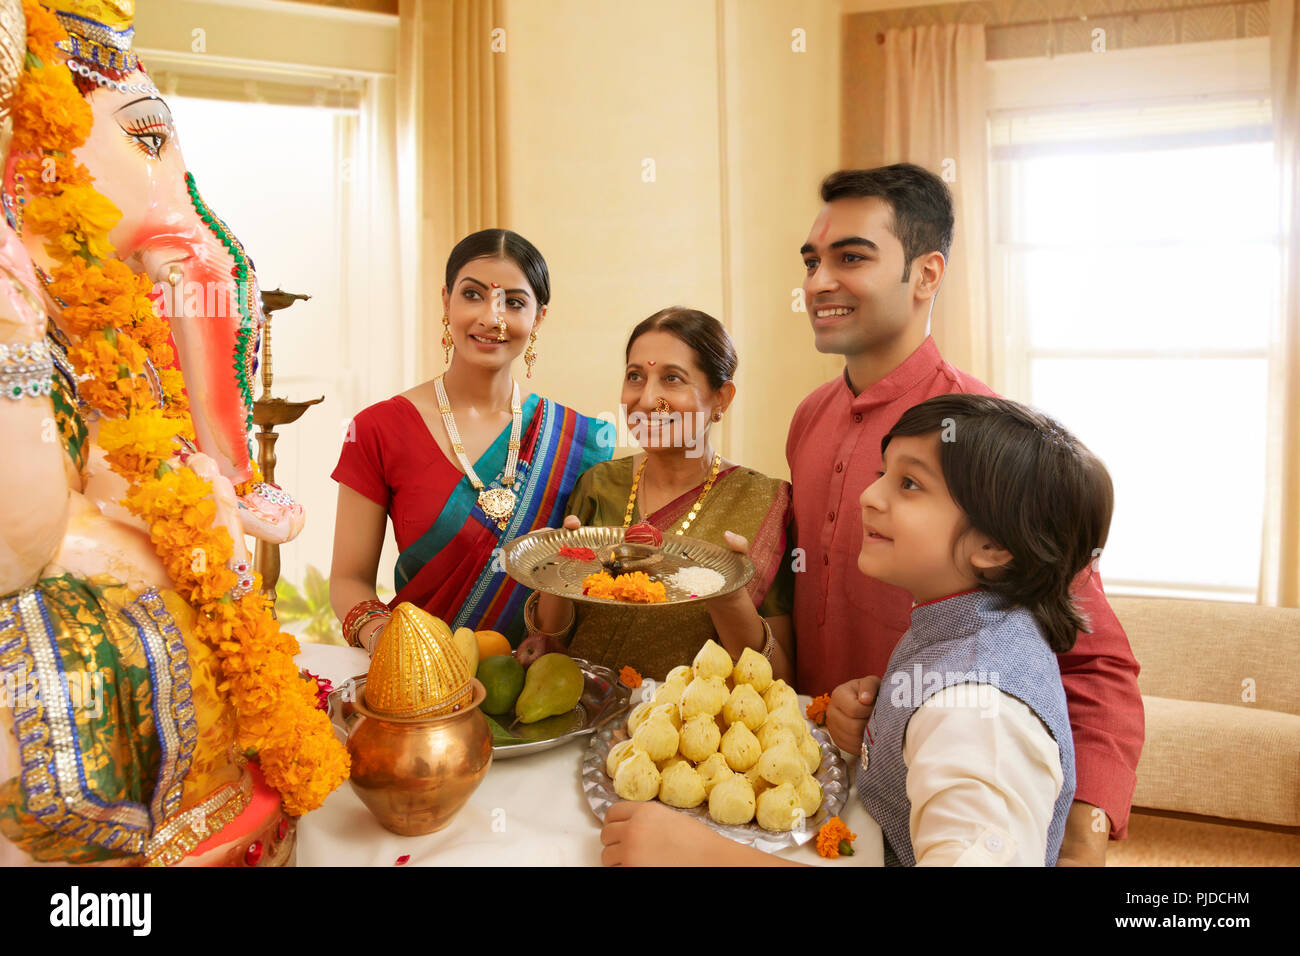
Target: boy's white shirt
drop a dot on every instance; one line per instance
(983, 775)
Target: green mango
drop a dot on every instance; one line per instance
(503, 678)
(554, 686)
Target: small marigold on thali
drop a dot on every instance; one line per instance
(636, 587)
(816, 710)
(835, 839)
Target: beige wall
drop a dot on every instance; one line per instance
(740, 129)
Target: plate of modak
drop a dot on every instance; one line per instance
(724, 742)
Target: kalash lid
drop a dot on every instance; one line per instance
(416, 670)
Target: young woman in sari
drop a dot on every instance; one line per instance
(461, 464)
(680, 365)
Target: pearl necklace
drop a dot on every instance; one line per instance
(497, 503)
(695, 509)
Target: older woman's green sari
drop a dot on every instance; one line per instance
(655, 640)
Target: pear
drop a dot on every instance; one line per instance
(554, 685)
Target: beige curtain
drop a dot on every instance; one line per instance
(1280, 578)
(935, 107)
(451, 133)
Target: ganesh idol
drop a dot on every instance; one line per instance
(135, 680)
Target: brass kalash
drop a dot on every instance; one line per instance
(423, 745)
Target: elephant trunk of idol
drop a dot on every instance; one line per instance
(211, 299)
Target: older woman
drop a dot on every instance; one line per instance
(677, 384)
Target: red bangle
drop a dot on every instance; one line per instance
(362, 612)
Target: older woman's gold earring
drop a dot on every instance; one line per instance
(717, 416)
(530, 353)
(447, 343)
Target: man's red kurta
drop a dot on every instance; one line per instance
(846, 624)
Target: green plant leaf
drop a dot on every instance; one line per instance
(293, 608)
(316, 587)
(285, 589)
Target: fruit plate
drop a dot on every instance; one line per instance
(604, 699)
(534, 561)
(832, 775)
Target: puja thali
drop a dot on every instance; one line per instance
(535, 560)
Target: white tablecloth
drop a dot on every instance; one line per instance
(529, 811)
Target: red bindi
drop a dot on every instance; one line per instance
(826, 227)
(652, 363)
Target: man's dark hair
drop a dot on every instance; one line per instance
(921, 202)
(1032, 487)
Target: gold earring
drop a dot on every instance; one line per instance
(717, 416)
(530, 353)
(447, 344)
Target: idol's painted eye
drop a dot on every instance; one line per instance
(149, 133)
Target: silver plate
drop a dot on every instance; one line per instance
(604, 700)
(533, 560)
(599, 789)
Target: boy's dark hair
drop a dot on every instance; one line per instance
(708, 338)
(922, 204)
(1032, 487)
(502, 244)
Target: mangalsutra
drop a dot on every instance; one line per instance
(695, 509)
(497, 503)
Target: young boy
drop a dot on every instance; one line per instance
(984, 512)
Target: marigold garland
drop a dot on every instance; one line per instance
(117, 334)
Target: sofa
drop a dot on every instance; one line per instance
(1221, 686)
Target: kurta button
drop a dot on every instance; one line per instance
(994, 843)
(830, 516)
(839, 467)
(866, 755)
(826, 559)
(858, 418)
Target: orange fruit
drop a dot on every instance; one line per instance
(492, 643)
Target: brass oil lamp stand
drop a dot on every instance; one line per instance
(268, 412)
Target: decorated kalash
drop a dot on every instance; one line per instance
(152, 711)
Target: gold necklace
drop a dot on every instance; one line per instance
(497, 503)
(695, 509)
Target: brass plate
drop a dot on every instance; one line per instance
(533, 560)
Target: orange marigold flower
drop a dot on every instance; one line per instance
(629, 677)
(43, 30)
(816, 710)
(835, 838)
(49, 114)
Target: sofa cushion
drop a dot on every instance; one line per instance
(1215, 651)
(1222, 761)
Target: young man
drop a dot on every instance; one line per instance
(875, 257)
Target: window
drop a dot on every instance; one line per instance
(1136, 268)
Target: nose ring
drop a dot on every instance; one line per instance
(662, 406)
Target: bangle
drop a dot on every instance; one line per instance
(370, 650)
(362, 612)
(530, 617)
(770, 644)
